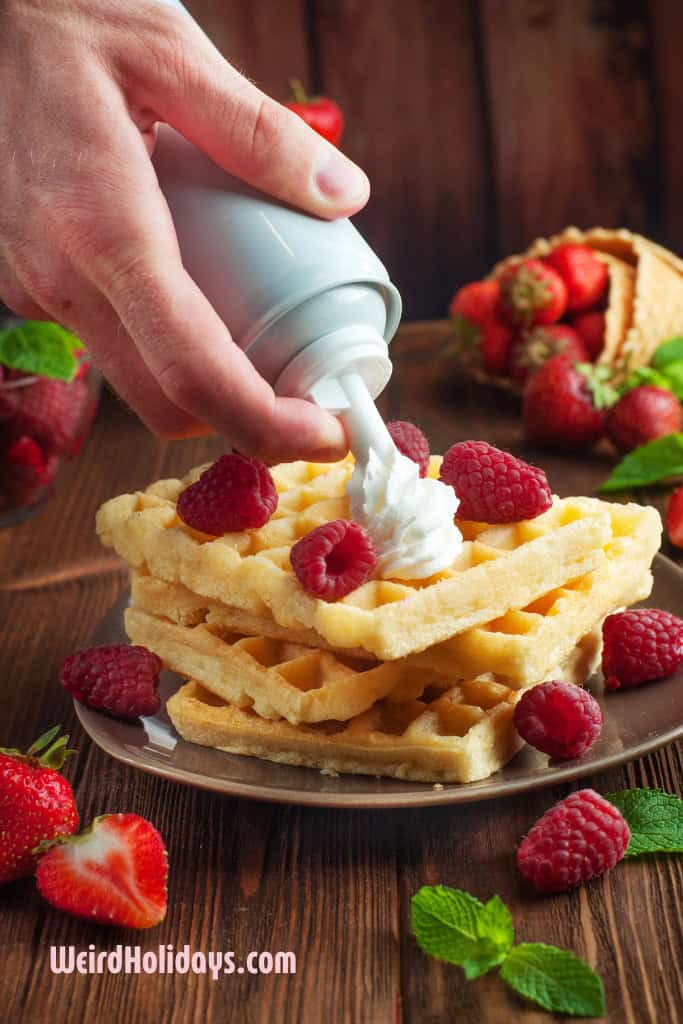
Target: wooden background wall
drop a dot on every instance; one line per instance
(483, 123)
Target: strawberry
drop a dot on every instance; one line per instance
(591, 328)
(564, 404)
(531, 293)
(322, 114)
(50, 411)
(114, 873)
(534, 347)
(641, 415)
(674, 517)
(36, 802)
(481, 336)
(582, 272)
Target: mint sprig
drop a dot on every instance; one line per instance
(665, 370)
(555, 979)
(655, 819)
(661, 459)
(454, 926)
(40, 348)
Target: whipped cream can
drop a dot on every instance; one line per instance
(306, 299)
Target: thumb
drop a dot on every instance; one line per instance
(189, 85)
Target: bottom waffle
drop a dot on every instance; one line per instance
(460, 734)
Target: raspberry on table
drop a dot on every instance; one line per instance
(235, 493)
(581, 837)
(411, 442)
(333, 559)
(120, 678)
(640, 645)
(494, 486)
(559, 718)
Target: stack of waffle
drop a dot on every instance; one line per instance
(412, 680)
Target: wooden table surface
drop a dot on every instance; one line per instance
(333, 886)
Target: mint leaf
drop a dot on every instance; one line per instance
(673, 375)
(655, 819)
(669, 352)
(644, 375)
(41, 348)
(661, 459)
(555, 979)
(454, 926)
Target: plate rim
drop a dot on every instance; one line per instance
(450, 794)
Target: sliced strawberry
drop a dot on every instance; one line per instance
(114, 873)
(674, 517)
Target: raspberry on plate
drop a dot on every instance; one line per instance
(581, 837)
(494, 486)
(558, 718)
(640, 645)
(411, 442)
(235, 493)
(120, 679)
(333, 559)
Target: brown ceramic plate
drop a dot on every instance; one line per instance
(636, 722)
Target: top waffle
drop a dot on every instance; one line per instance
(497, 569)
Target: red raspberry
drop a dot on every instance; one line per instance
(236, 493)
(559, 718)
(120, 679)
(494, 486)
(27, 473)
(411, 442)
(51, 412)
(639, 645)
(580, 837)
(333, 559)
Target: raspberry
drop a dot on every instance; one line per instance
(235, 493)
(640, 645)
(120, 679)
(27, 473)
(559, 718)
(494, 486)
(51, 412)
(333, 559)
(411, 442)
(580, 837)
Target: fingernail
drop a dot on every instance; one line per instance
(340, 180)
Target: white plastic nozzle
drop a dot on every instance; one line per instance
(364, 426)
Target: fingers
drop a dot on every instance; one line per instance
(133, 260)
(189, 85)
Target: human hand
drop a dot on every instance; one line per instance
(86, 238)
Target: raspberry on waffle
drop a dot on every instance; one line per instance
(498, 568)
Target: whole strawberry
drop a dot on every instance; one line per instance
(114, 873)
(564, 404)
(531, 293)
(591, 329)
(640, 645)
(641, 415)
(322, 114)
(535, 347)
(581, 837)
(36, 802)
(584, 274)
(118, 678)
(674, 517)
(482, 337)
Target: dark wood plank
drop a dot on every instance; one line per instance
(667, 31)
(572, 116)
(267, 41)
(332, 886)
(406, 77)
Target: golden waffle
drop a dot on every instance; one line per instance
(520, 646)
(497, 568)
(461, 734)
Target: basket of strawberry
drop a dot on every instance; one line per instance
(48, 397)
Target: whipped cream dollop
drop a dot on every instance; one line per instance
(408, 517)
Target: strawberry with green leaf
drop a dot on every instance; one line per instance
(481, 336)
(565, 404)
(36, 802)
